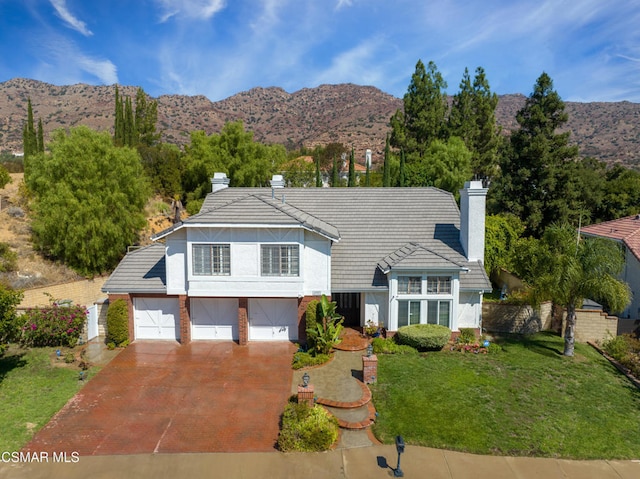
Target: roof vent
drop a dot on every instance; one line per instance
(277, 181)
(638, 217)
(219, 182)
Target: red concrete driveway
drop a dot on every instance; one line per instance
(167, 398)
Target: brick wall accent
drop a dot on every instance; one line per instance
(305, 395)
(594, 325)
(512, 318)
(243, 321)
(302, 316)
(85, 292)
(370, 368)
(185, 319)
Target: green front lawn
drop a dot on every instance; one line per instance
(32, 390)
(528, 400)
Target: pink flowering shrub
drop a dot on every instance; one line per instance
(55, 325)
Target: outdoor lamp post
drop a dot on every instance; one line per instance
(305, 380)
(397, 472)
(369, 350)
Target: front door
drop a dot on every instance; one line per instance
(349, 307)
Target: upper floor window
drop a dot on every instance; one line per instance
(211, 259)
(280, 260)
(409, 284)
(439, 285)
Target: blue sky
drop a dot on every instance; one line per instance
(216, 48)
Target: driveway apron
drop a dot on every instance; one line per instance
(163, 397)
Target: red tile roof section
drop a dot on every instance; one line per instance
(625, 229)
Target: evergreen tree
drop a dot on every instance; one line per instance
(352, 170)
(402, 177)
(425, 110)
(318, 175)
(146, 117)
(386, 167)
(29, 136)
(129, 124)
(40, 140)
(472, 118)
(367, 176)
(118, 130)
(335, 178)
(537, 181)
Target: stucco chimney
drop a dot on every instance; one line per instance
(277, 181)
(219, 182)
(473, 199)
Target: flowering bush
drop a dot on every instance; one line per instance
(55, 325)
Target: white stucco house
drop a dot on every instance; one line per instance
(247, 265)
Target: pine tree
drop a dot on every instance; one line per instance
(40, 140)
(146, 117)
(537, 181)
(118, 130)
(129, 124)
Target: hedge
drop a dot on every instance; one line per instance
(118, 322)
(424, 336)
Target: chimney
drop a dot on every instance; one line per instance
(473, 199)
(219, 182)
(277, 181)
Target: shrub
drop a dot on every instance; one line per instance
(467, 336)
(54, 325)
(424, 336)
(307, 429)
(118, 322)
(9, 329)
(390, 346)
(324, 332)
(303, 359)
(312, 312)
(616, 347)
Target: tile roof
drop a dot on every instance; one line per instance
(372, 225)
(140, 271)
(626, 230)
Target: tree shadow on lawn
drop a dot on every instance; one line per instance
(8, 363)
(545, 343)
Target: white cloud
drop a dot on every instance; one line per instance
(191, 9)
(73, 22)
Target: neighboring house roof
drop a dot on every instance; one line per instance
(140, 271)
(626, 230)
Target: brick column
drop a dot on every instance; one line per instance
(185, 319)
(243, 321)
(370, 369)
(305, 395)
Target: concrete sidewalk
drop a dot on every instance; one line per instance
(365, 462)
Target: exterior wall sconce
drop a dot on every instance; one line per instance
(305, 380)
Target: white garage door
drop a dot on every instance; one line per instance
(214, 318)
(273, 319)
(157, 318)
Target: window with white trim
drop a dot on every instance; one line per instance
(439, 312)
(409, 284)
(280, 260)
(211, 259)
(439, 285)
(408, 313)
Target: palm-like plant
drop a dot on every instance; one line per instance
(570, 270)
(324, 333)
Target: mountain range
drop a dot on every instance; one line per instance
(350, 114)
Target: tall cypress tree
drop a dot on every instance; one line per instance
(29, 137)
(386, 167)
(129, 124)
(402, 177)
(318, 176)
(40, 137)
(352, 170)
(118, 130)
(335, 178)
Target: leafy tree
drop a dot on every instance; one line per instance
(5, 177)
(445, 165)
(472, 118)
(9, 300)
(621, 194)
(502, 236)
(163, 165)
(425, 109)
(232, 151)
(567, 271)
(536, 182)
(318, 174)
(335, 178)
(298, 172)
(89, 199)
